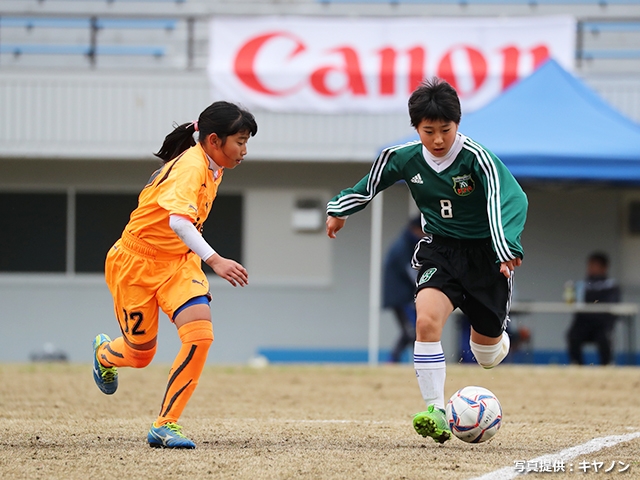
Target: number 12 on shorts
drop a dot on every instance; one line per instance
(136, 318)
(446, 209)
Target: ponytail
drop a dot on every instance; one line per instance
(177, 142)
(222, 118)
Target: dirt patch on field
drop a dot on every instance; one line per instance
(321, 422)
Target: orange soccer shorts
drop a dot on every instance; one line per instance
(141, 279)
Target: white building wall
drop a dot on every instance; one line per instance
(291, 308)
(108, 116)
(90, 115)
(566, 222)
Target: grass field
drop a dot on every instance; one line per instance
(286, 422)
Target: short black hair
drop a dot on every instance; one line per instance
(434, 99)
(601, 258)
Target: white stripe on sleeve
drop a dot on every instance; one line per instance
(494, 201)
(351, 200)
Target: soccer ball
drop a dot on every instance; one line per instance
(474, 414)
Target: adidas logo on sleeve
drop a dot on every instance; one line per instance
(417, 179)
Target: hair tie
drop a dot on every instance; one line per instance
(195, 125)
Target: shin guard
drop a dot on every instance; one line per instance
(196, 338)
(117, 353)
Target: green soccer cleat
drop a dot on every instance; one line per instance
(168, 435)
(432, 423)
(106, 378)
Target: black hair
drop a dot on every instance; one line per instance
(601, 258)
(434, 99)
(222, 118)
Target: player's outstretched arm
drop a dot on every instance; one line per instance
(506, 268)
(230, 270)
(334, 224)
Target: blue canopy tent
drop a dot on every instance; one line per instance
(550, 126)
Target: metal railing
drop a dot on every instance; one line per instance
(485, 2)
(595, 28)
(93, 47)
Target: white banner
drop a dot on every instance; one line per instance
(336, 65)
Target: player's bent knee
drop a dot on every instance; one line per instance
(140, 358)
(488, 356)
(485, 355)
(198, 331)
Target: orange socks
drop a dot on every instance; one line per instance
(117, 353)
(185, 372)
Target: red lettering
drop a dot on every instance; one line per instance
(244, 65)
(388, 58)
(417, 57)
(540, 55)
(510, 56)
(477, 64)
(465, 67)
(511, 60)
(351, 69)
(387, 71)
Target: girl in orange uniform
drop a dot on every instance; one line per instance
(157, 262)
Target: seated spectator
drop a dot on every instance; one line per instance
(595, 327)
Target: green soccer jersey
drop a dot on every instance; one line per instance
(467, 194)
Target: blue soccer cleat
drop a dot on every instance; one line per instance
(106, 378)
(168, 435)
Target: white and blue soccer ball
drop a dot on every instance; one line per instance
(474, 414)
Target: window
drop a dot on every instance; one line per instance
(634, 218)
(33, 237)
(100, 219)
(223, 228)
(34, 233)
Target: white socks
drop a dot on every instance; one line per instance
(488, 356)
(431, 369)
(428, 360)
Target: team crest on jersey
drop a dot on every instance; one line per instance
(426, 276)
(463, 185)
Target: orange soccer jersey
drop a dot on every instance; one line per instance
(184, 186)
(149, 266)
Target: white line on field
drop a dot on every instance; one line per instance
(507, 473)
